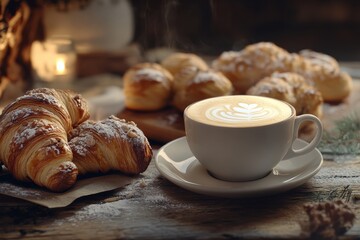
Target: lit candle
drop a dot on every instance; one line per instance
(54, 60)
(60, 66)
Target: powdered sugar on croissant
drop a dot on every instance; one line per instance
(33, 133)
(110, 144)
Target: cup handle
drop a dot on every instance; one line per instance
(314, 142)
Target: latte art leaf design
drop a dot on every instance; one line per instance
(238, 113)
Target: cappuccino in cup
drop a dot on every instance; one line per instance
(242, 111)
(242, 137)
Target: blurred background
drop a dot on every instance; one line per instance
(54, 40)
(210, 27)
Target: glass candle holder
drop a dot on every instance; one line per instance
(54, 60)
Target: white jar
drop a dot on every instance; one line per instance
(101, 26)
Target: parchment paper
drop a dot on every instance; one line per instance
(101, 100)
(83, 187)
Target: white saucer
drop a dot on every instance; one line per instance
(176, 163)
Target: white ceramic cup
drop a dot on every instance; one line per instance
(242, 138)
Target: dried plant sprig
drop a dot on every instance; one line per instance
(344, 139)
(344, 193)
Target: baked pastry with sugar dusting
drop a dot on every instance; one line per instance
(291, 88)
(147, 87)
(245, 68)
(110, 144)
(180, 65)
(200, 84)
(324, 73)
(256, 61)
(33, 133)
(176, 62)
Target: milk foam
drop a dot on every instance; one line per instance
(243, 111)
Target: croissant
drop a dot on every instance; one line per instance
(33, 136)
(110, 144)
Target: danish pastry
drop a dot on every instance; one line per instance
(147, 87)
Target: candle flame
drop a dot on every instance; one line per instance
(60, 66)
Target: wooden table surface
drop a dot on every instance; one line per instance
(154, 208)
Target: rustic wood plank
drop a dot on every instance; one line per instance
(154, 208)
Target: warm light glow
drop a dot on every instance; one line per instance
(60, 66)
(54, 60)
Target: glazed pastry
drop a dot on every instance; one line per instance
(200, 85)
(147, 87)
(291, 88)
(245, 68)
(110, 144)
(33, 133)
(179, 64)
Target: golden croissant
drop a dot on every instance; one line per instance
(110, 144)
(33, 133)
